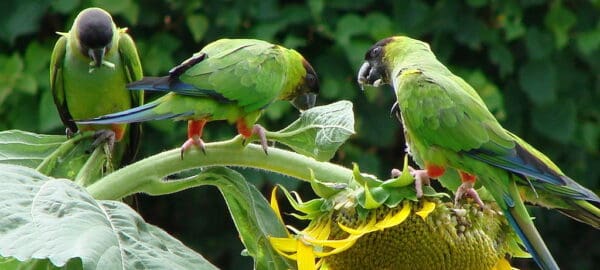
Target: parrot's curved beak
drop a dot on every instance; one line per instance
(97, 56)
(369, 75)
(304, 101)
(363, 72)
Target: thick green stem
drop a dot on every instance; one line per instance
(147, 175)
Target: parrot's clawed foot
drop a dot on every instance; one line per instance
(195, 140)
(421, 178)
(259, 131)
(104, 135)
(262, 135)
(466, 188)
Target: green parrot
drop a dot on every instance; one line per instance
(229, 79)
(447, 126)
(89, 69)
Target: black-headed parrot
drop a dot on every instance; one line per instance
(448, 126)
(229, 79)
(89, 69)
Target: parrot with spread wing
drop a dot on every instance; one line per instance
(89, 68)
(229, 79)
(448, 126)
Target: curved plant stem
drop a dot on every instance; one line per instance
(147, 175)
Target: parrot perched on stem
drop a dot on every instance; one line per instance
(89, 68)
(229, 79)
(448, 126)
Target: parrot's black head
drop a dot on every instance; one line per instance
(94, 28)
(374, 71)
(306, 93)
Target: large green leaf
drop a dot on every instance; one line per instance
(320, 131)
(26, 148)
(54, 155)
(48, 218)
(253, 217)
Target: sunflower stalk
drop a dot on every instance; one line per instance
(315, 137)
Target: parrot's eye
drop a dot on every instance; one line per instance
(375, 52)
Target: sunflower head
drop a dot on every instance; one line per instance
(375, 224)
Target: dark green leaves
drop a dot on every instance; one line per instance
(319, 131)
(560, 20)
(538, 80)
(43, 217)
(556, 121)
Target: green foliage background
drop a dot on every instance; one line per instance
(535, 63)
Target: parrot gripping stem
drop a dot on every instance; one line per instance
(257, 129)
(104, 135)
(421, 177)
(195, 128)
(195, 140)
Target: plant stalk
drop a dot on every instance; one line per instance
(147, 175)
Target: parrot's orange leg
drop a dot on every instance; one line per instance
(195, 128)
(466, 177)
(435, 171)
(257, 129)
(119, 130)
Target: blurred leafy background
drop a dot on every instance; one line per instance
(535, 63)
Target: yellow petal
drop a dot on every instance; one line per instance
(283, 244)
(306, 257)
(363, 229)
(428, 207)
(502, 264)
(275, 205)
(349, 243)
(293, 256)
(396, 219)
(323, 232)
(332, 243)
(351, 231)
(319, 263)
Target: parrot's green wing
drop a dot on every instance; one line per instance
(440, 107)
(253, 76)
(56, 82)
(133, 67)
(133, 72)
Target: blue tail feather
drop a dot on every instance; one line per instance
(138, 114)
(170, 84)
(528, 234)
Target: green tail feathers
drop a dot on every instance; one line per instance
(583, 211)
